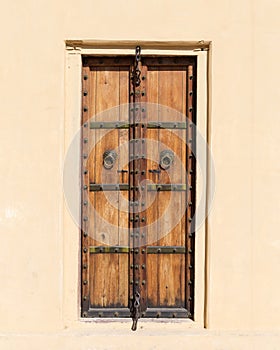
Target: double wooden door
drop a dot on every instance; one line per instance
(138, 186)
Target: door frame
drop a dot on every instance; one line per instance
(72, 241)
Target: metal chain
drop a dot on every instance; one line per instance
(135, 304)
(137, 73)
(135, 311)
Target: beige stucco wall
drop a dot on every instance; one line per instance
(243, 235)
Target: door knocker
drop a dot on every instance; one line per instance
(109, 159)
(166, 159)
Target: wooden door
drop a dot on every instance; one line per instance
(138, 186)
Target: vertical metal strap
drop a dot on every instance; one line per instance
(85, 188)
(191, 167)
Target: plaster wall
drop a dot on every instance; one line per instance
(243, 238)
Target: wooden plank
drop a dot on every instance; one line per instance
(152, 199)
(106, 273)
(123, 197)
(171, 274)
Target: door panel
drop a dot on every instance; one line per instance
(138, 194)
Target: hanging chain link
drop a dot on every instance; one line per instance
(135, 311)
(137, 72)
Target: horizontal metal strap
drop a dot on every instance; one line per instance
(149, 125)
(108, 249)
(108, 187)
(166, 187)
(167, 125)
(125, 187)
(166, 250)
(126, 249)
(149, 313)
(109, 125)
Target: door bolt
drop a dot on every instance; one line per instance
(85, 140)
